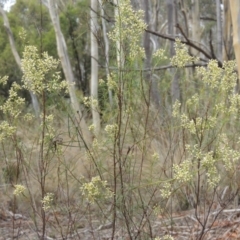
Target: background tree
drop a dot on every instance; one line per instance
(235, 11)
(219, 15)
(227, 31)
(149, 48)
(18, 60)
(94, 66)
(172, 21)
(63, 55)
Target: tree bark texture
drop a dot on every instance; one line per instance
(219, 29)
(171, 12)
(155, 95)
(195, 24)
(227, 32)
(120, 54)
(67, 69)
(94, 66)
(235, 13)
(106, 44)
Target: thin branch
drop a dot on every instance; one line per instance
(158, 68)
(187, 42)
(208, 19)
(171, 66)
(182, 32)
(102, 16)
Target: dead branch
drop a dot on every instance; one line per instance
(158, 68)
(187, 41)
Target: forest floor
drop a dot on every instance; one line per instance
(221, 223)
(185, 226)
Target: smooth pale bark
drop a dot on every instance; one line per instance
(227, 33)
(18, 59)
(67, 69)
(155, 95)
(235, 13)
(106, 43)
(94, 66)
(172, 20)
(219, 30)
(185, 14)
(120, 56)
(195, 24)
(155, 22)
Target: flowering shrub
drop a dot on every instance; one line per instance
(40, 73)
(96, 190)
(128, 29)
(207, 119)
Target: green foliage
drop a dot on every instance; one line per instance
(209, 119)
(75, 27)
(35, 20)
(24, 15)
(8, 65)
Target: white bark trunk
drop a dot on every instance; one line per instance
(120, 55)
(18, 59)
(172, 20)
(106, 43)
(94, 67)
(148, 47)
(235, 13)
(67, 69)
(219, 30)
(195, 24)
(227, 33)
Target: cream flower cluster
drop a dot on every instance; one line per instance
(40, 72)
(47, 201)
(181, 57)
(96, 190)
(129, 26)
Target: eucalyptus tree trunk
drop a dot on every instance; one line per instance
(219, 30)
(195, 24)
(120, 55)
(94, 66)
(106, 44)
(156, 23)
(235, 13)
(227, 33)
(155, 95)
(18, 59)
(172, 20)
(67, 69)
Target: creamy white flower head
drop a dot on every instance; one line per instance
(96, 189)
(47, 201)
(129, 27)
(19, 189)
(40, 72)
